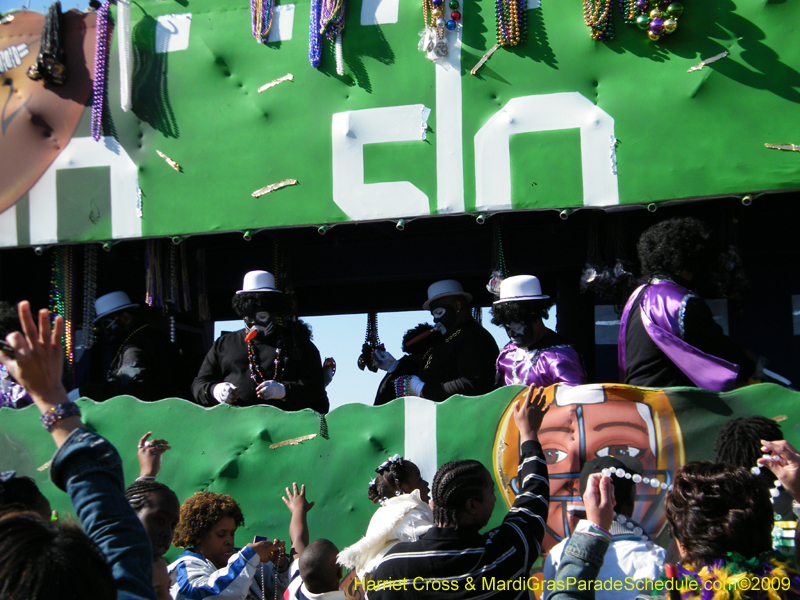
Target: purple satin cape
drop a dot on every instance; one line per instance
(541, 367)
(662, 309)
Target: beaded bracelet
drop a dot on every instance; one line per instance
(57, 413)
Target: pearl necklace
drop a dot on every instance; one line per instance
(775, 490)
(622, 474)
(631, 528)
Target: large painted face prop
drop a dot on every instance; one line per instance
(37, 119)
(521, 334)
(589, 422)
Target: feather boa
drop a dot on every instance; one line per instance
(401, 519)
(738, 578)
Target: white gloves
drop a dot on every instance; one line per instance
(271, 390)
(384, 360)
(415, 386)
(225, 393)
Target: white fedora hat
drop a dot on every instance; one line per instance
(110, 303)
(444, 288)
(520, 288)
(258, 281)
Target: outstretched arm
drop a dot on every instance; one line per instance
(298, 528)
(38, 364)
(87, 466)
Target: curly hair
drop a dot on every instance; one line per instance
(714, 509)
(455, 483)
(248, 304)
(390, 479)
(524, 311)
(200, 513)
(673, 246)
(738, 442)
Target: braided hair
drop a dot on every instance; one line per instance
(455, 483)
(139, 493)
(392, 474)
(738, 442)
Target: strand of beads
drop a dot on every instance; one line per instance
(331, 24)
(635, 529)
(775, 490)
(252, 360)
(314, 47)
(511, 21)
(433, 41)
(89, 294)
(597, 16)
(261, 12)
(622, 474)
(69, 320)
(100, 56)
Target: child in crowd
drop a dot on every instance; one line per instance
(211, 566)
(404, 514)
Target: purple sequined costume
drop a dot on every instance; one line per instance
(549, 362)
(662, 306)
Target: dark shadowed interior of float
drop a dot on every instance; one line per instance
(379, 267)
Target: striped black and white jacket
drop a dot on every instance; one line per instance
(459, 563)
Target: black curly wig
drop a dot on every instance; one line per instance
(524, 311)
(249, 303)
(420, 346)
(674, 246)
(714, 509)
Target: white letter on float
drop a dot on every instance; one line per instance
(350, 132)
(550, 112)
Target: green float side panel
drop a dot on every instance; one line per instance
(672, 134)
(227, 449)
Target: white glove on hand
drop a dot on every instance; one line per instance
(440, 328)
(225, 393)
(415, 386)
(271, 390)
(384, 360)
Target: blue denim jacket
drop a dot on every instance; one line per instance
(89, 469)
(581, 561)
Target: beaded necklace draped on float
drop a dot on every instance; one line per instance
(511, 25)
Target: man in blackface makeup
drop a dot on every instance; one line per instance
(145, 364)
(463, 362)
(267, 362)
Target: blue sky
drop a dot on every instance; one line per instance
(341, 337)
(40, 6)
